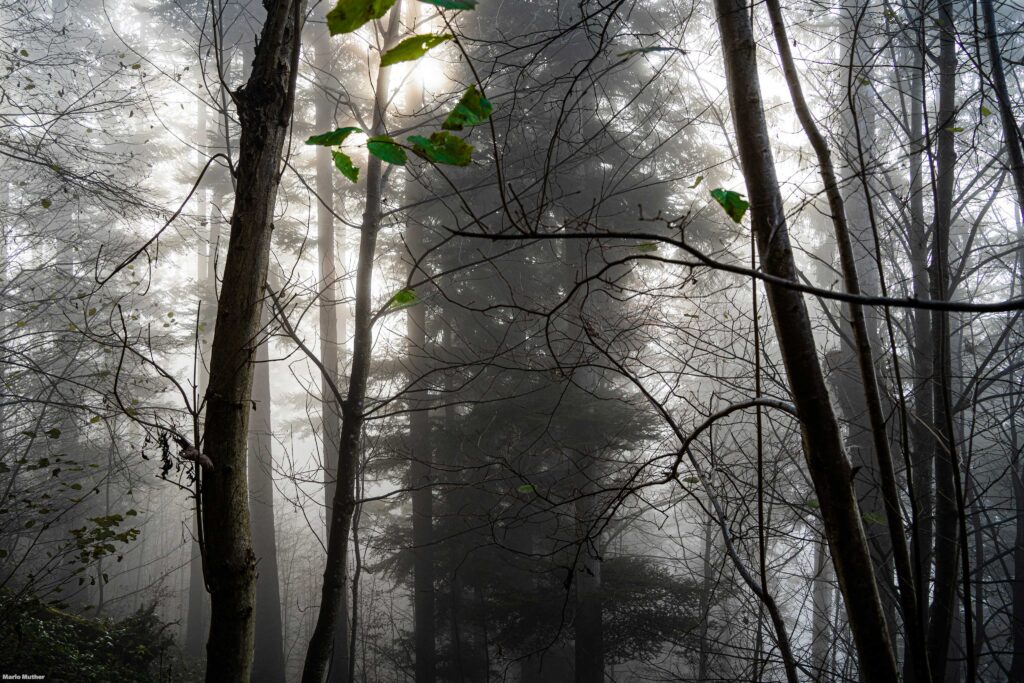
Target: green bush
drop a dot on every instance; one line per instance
(36, 638)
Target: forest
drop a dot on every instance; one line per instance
(458, 341)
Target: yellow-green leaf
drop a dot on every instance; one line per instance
(348, 15)
(386, 149)
(343, 163)
(333, 138)
(403, 298)
(412, 48)
(472, 110)
(443, 148)
(732, 202)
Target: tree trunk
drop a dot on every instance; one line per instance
(330, 336)
(921, 425)
(877, 488)
(821, 600)
(420, 445)
(1011, 132)
(197, 623)
(264, 111)
(588, 628)
(319, 652)
(823, 448)
(943, 605)
(706, 588)
(268, 663)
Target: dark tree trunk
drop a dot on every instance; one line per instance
(922, 441)
(1011, 132)
(588, 628)
(878, 490)
(319, 655)
(944, 601)
(823, 448)
(331, 333)
(264, 110)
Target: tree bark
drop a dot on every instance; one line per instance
(319, 652)
(197, 622)
(264, 110)
(823, 449)
(943, 606)
(1011, 132)
(868, 395)
(330, 331)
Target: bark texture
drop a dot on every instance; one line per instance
(264, 110)
(332, 324)
(944, 597)
(827, 463)
(321, 644)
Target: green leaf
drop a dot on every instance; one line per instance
(24, 52)
(526, 488)
(348, 15)
(386, 149)
(698, 181)
(985, 111)
(647, 247)
(955, 129)
(443, 148)
(692, 480)
(45, 203)
(334, 138)
(472, 110)
(813, 503)
(452, 4)
(732, 202)
(403, 298)
(343, 163)
(412, 48)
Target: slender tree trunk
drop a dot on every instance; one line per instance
(330, 334)
(921, 424)
(264, 110)
(268, 663)
(823, 448)
(1017, 475)
(944, 603)
(197, 623)
(881, 490)
(821, 600)
(707, 585)
(420, 443)
(588, 627)
(319, 652)
(1017, 592)
(1011, 132)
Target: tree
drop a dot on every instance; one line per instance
(826, 459)
(264, 108)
